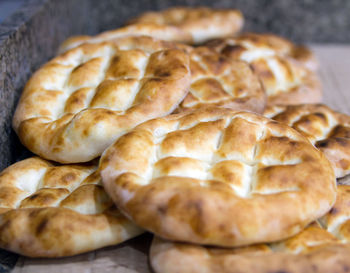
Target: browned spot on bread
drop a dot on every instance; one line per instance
(333, 211)
(41, 227)
(296, 81)
(232, 50)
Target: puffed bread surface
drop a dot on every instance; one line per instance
(201, 23)
(322, 247)
(51, 210)
(219, 177)
(81, 101)
(215, 79)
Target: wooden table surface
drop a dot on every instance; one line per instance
(132, 256)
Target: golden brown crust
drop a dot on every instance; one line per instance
(81, 101)
(327, 129)
(167, 258)
(219, 81)
(202, 23)
(287, 71)
(173, 175)
(304, 55)
(319, 248)
(284, 47)
(280, 45)
(55, 211)
(163, 32)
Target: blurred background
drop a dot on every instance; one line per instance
(326, 21)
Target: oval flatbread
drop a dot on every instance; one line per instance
(201, 23)
(283, 68)
(163, 32)
(218, 177)
(215, 79)
(327, 129)
(77, 104)
(51, 210)
(322, 247)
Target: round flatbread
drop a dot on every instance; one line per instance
(77, 104)
(51, 210)
(321, 248)
(327, 129)
(219, 81)
(163, 32)
(283, 68)
(202, 23)
(218, 177)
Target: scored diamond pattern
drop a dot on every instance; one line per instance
(92, 94)
(36, 183)
(229, 150)
(214, 160)
(49, 210)
(219, 81)
(328, 130)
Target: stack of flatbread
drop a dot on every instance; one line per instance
(176, 124)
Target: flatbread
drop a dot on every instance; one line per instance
(77, 104)
(327, 129)
(49, 210)
(287, 71)
(219, 81)
(272, 44)
(215, 79)
(322, 247)
(218, 177)
(202, 23)
(163, 32)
